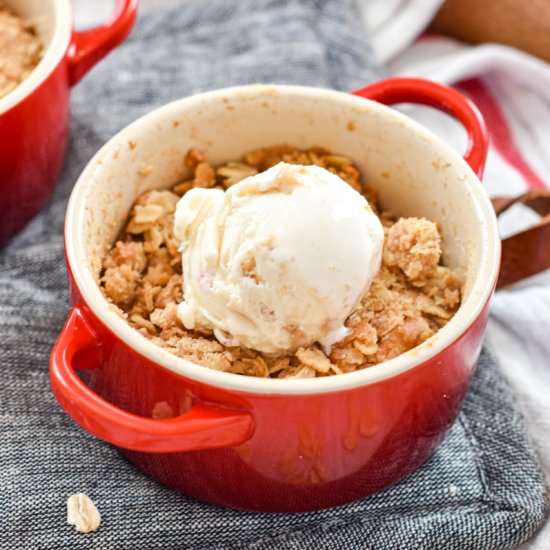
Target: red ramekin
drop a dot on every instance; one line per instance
(263, 444)
(34, 117)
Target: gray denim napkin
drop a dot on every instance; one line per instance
(483, 488)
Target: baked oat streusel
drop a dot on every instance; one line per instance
(410, 299)
(20, 50)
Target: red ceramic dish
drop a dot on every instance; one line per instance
(34, 117)
(278, 445)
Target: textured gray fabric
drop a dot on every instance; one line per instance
(482, 489)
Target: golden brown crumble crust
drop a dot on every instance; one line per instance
(20, 50)
(410, 299)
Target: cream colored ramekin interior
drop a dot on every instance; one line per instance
(417, 174)
(53, 21)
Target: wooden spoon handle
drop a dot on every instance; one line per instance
(528, 252)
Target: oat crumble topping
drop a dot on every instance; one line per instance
(20, 50)
(410, 299)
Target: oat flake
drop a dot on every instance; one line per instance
(82, 513)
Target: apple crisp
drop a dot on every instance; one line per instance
(20, 50)
(410, 299)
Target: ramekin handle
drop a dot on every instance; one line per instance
(444, 98)
(204, 426)
(90, 46)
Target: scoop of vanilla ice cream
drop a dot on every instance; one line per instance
(277, 261)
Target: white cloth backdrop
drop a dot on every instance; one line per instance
(513, 90)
